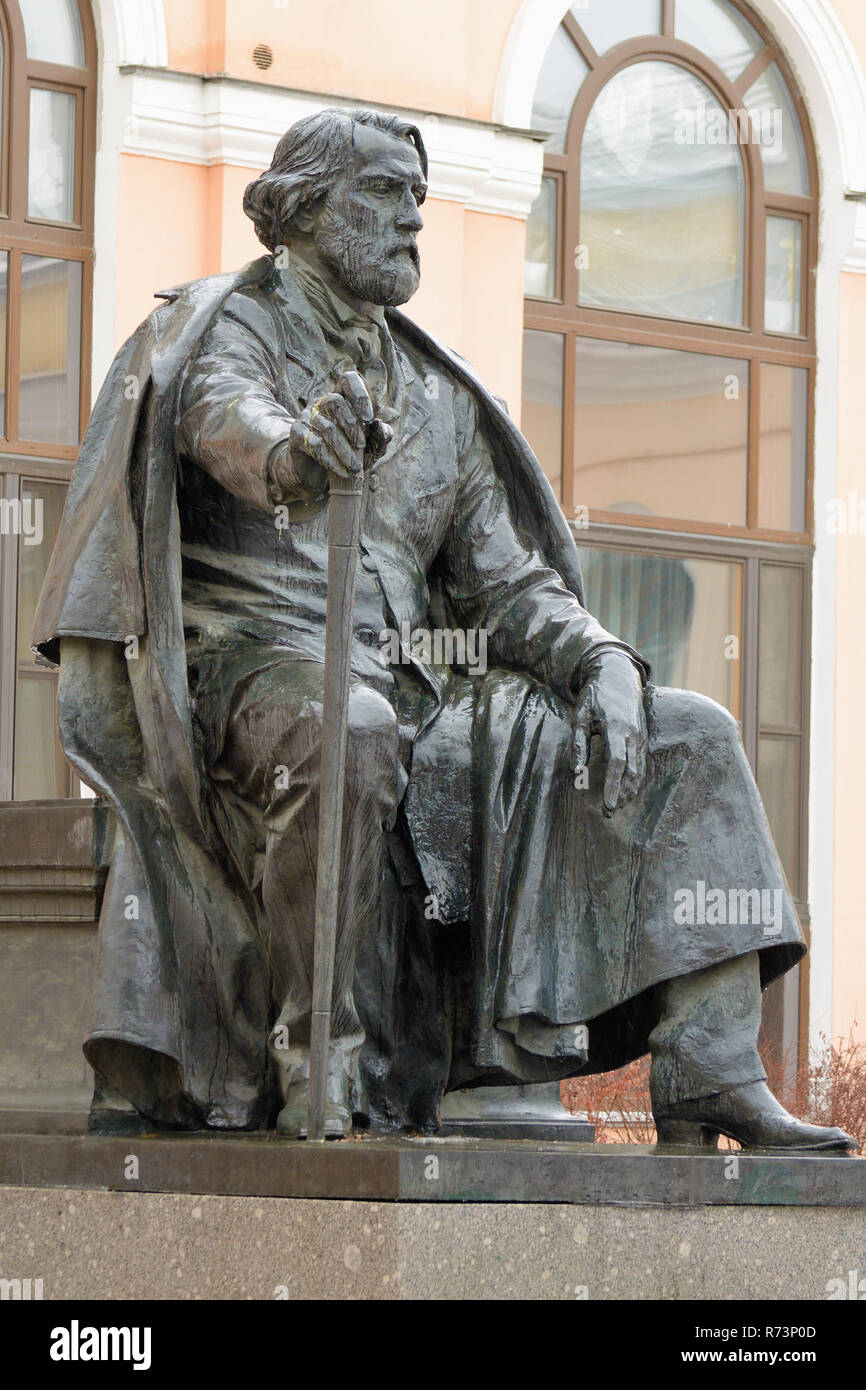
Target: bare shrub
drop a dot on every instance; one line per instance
(829, 1089)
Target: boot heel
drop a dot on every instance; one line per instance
(687, 1133)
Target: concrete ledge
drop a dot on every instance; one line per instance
(53, 860)
(113, 1245)
(58, 1120)
(430, 1170)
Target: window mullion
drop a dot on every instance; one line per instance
(759, 64)
(568, 425)
(751, 594)
(13, 341)
(10, 485)
(754, 443)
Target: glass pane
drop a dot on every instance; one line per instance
(782, 312)
(539, 270)
(52, 155)
(560, 80)
(4, 302)
(606, 24)
(41, 510)
(661, 206)
(50, 349)
(53, 31)
(39, 773)
(660, 433)
(39, 766)
(780, 649)
(777, 129)
(679, 614)
(719, 31)
(541, 415)
(779, 785)
(782, 460)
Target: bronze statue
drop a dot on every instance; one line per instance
(525, 815)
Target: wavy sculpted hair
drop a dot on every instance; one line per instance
(306, 161)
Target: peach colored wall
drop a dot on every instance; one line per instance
(443, 57)
(195, 32)
(232, 240)
(493, 302)
(162, 235)
(849, 927)
(438, 305)
(852, 13)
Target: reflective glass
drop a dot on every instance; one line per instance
(52, 30)
(777, 129)
(661, 205)
(52, 155)
(661, 433)
(539, 271)
(678, 613)
(783, 448)
(782, 310)
(559, 82)
(606, 24)
(779, 785)
(541, 416)
(41, 509)
(780, 652)
(4, 305)
(40, 769)
(50, 349)
(719, 31)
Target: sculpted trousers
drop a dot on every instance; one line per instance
(270, 764)
(706, 1037)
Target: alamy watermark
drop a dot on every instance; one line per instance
(716, 907)
(708, 124)
(439, 646)
(22, 518)
(20, 1290)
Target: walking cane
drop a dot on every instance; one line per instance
(344, 527)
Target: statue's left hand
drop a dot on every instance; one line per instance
(610, 703)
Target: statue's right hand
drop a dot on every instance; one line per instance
(332, 431)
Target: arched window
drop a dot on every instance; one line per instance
(47, 148)
(669, 356)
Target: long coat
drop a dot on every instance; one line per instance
(182, 1007)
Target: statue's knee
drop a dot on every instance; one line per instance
(695, 719)
(371, 739)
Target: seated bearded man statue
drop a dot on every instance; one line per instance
(522, 813)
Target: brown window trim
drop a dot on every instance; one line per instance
(564, 314)
(21, 234)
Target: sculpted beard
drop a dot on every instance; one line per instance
(379, 267)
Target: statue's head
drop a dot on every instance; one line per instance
(349, 183)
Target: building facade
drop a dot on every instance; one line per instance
(646, 228)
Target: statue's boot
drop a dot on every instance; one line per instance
(292, 1119)
(753, 1117)
(706, 1077)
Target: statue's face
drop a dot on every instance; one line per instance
(368, 222)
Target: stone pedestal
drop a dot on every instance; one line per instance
(512, 1112)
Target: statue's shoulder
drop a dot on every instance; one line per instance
(261, 300)
(216, 288)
